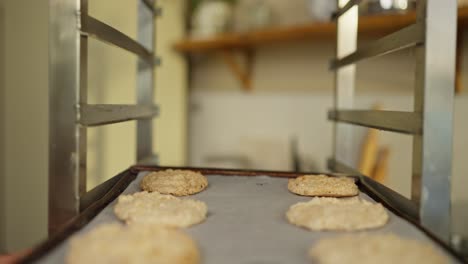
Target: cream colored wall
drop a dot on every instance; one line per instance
(112, 79)
(2, 127)
(26, 121)
(171, 87)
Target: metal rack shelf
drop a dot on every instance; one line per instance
(396, 121)
(95, 28)
(95, 115)
(404, 38)
(433, 36)
(70, 115)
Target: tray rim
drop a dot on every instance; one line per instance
(108, 191)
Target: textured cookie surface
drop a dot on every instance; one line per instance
(324, 213)
(159, 209)
(175, 182)
(323, 185)
(139, 244)
(374, 248)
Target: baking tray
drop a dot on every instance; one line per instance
(246, 218)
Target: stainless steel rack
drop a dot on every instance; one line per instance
(433, 37)
(70, 27)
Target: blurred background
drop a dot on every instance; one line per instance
(243, 84)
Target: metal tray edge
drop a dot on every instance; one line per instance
(392, 200)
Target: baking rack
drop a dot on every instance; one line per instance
(430, 123)
(433, 36)
(70, 114)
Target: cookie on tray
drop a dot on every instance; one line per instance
(323, 185)
(159, 209)
(340, 214)
(139, 244)
(175, 182)
(374, 248)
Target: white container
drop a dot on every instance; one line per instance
(211, 18)
(321, 10)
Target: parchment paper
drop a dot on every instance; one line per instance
(246, 223)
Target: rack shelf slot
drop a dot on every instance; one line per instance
(95, 115)
(106, 33)
(404, 38)
(397, 121)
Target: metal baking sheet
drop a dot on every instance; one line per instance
(246, 223)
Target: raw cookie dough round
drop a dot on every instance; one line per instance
(323, 213)
(175, 182)
(159, 209)
(374, 248)
(139, 244)
(323, 185)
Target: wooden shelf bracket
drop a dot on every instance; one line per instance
(242, 72)
(459, 58)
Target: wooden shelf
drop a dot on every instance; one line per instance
(371, 26)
